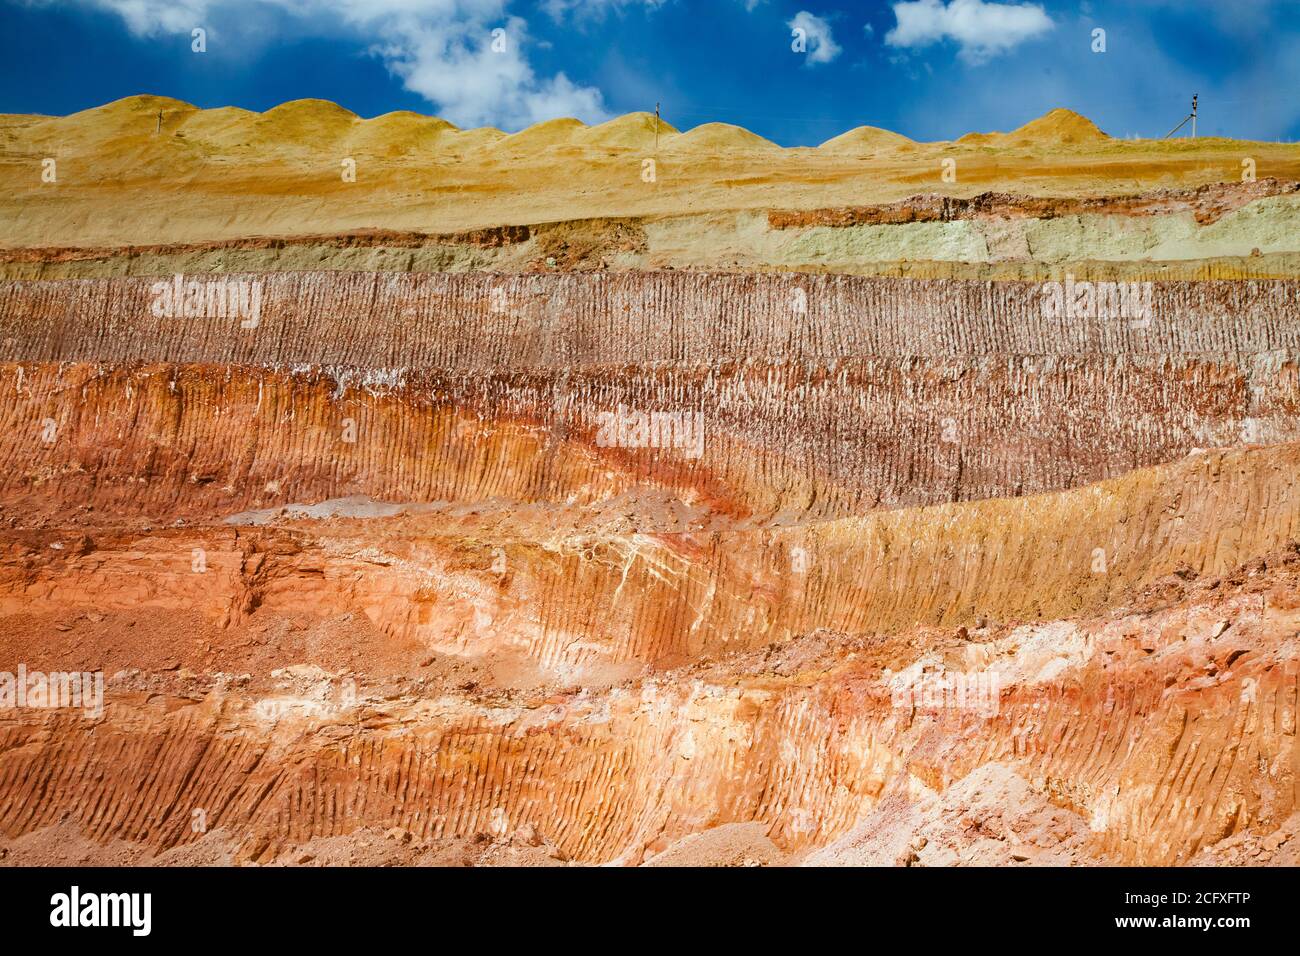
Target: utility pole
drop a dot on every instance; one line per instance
(159, 129)
(656, 127)
(1190, 116)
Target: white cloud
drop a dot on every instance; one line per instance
(475, 82)
(592, 9)
(152, 17)
(822, 47)
(595, 9)
(442, 50)
(982, 30)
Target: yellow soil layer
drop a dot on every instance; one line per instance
(226, 173)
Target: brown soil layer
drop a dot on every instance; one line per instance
(361, 239)
(1207, 203)
(453, 322)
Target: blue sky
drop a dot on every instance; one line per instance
(931, 69)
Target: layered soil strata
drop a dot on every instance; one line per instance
(474, 626)
(785, 506)
(1141, 734)
(1220, 230)
(786, 399)
(1207, 203)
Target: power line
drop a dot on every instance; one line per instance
(1190, 116)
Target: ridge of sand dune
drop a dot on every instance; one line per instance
(981, 139)
(310, 110)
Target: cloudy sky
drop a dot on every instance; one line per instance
(796, 72)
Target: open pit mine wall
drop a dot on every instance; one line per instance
(589, 605)
(1160, 736)
(1158, 767)
(816, 397)
(792, 519)
(1160, 732)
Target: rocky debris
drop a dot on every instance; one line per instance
(991, 817)
(732, 844)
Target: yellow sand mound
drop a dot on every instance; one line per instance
(120, 179)
(712, 137)
(313, 123)
(228, 127)
(128, 109)
(400, 132)
(633, 131)
(462, 141)
(305, 122)
(131, 116)
(1058, 126)
(547, 135)
(981, 139)
(865, 139)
